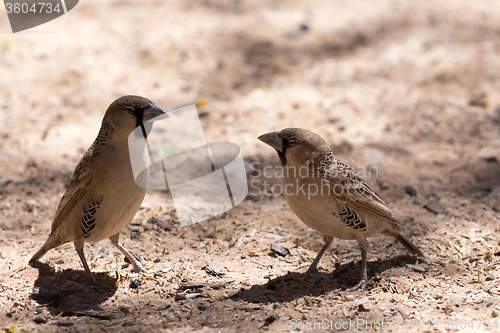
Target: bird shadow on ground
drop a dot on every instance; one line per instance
(294, 285)
(64, 292)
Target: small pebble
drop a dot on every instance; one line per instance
(169, 317)
(187, 296)
(39, 320)
(157, 260)
(417, 268)
(435, 207)
(64, 323)
(134, 284)
(129, 323)
(124, 308)
(202, 307)
(136, 221)
(160, 223)
(279, 250)
(59, 262)
(27, 207)
(180, 296)
(213, 269)
(411, 191)
(270, 319)
(384, 185)
(134, 233)
(361, 308)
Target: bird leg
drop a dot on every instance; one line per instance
(79, 250)
(363, 245)
(312, 269)
(137, 265)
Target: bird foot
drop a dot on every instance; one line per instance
(138, 268)
(361, 285)
(92, 280)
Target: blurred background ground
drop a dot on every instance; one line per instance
(409, 89)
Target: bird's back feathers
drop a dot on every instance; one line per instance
(348, 188)
(85, 174)
(89, 216)
(351, 218)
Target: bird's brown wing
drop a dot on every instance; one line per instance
(351, 190)
(84, 176)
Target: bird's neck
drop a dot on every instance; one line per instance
(103, 139)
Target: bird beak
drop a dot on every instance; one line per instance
(152, 112)
(273, 140)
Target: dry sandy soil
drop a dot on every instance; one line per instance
(389, 84)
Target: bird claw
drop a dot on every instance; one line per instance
(361, 285)
(93, 281)
(139, 269)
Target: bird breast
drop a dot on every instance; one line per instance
(121, 199)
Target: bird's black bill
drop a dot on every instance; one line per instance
(272, 139)
(152, 112)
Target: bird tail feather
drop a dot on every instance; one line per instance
(51, 243)
(408, 244)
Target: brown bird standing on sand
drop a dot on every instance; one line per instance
(102, 197)
(329, 197)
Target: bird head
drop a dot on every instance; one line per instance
(295, 146)
(128, 112)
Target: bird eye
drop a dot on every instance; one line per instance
(130, 109)
(292, 142)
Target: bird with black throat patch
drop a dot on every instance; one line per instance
(329, 197)
(102, 198)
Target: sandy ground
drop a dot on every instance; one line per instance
(388, 84)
